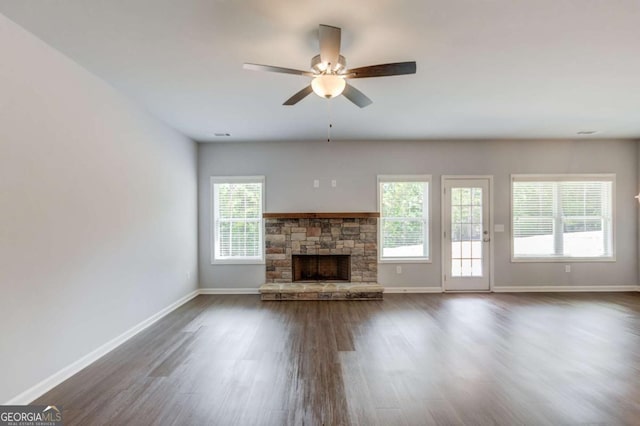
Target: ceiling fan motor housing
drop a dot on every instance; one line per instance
(320, 67)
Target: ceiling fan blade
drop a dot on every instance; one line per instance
(298, 96)
(356, 96)
(383, 70)
(329, 44)
(258, 67)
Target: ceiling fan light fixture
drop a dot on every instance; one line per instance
(328, 85)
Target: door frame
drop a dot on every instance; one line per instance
(443, 267)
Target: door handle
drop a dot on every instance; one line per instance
(486, 238)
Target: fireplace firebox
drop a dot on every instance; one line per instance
(328, 267)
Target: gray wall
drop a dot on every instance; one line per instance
(290, 168)
(98, 213)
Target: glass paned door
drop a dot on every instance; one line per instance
(466, 235)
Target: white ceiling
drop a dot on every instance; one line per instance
(486, 68)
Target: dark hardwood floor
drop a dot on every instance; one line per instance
(469, 359)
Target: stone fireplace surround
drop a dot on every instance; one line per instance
(353, 234)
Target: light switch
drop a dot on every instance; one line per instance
(316, 183)
(334, 183)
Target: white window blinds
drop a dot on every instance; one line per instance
(237, 206)
(404, 217)
(562, 216)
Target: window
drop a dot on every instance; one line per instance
(404, 217)
(237, 219)
(562, 217)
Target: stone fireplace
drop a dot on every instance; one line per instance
(321, 256)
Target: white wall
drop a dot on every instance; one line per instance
(98, 212)
(290, 168)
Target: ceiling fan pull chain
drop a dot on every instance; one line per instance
(329, 120)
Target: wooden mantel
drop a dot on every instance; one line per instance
(346, 215)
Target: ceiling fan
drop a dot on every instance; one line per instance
(329, 71)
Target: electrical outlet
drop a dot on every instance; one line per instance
(316, 183)
(334, 183)
(398, 269)
(188, 275)
(567, 268)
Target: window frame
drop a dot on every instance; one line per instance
(567, 177)
(406, 178)
(236, 179)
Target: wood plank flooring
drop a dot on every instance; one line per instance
(420, 359)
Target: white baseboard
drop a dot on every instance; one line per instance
(524, 289)
(392, 290)
(242, 290)
(564, 288)
(55, 379)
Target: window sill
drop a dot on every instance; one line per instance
(238, 262)
(405, 260)
(563, 260)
